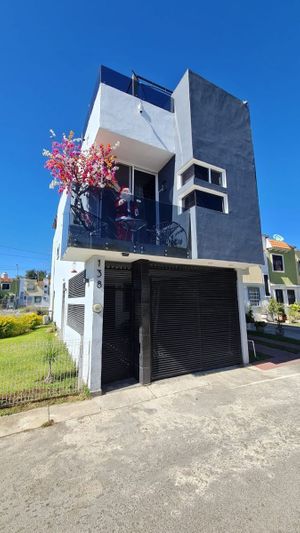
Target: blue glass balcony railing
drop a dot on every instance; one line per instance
(138, 225)
(136, 86)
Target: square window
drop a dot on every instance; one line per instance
(277, 261)
(201, 173)
(216, 177)
(254, 296)
(189, 201)
(188, 174)
(210, 201)
(291, 296)
(279, 296)
(203, 199)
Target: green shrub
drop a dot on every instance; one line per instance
(294, 312)
(260, 325)
(12, 326)
(250, 316)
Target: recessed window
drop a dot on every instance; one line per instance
(298, 267)
(5, 286)
(279, 296)
(203, 199)
(254, 296)
(216, 177)
(202, 173)
(267, 286)
(291, 296)
(188, 174)
(277, 261)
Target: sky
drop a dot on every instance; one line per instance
(50, 53)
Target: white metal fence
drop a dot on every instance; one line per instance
(38, 371)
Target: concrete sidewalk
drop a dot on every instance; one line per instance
(133, 395)
(208, 453)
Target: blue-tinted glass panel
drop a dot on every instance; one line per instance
(210, 201)
(116, 80)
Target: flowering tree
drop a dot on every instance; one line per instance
(76, 170)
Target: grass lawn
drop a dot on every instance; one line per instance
(23, 369)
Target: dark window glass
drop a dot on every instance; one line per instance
(267, 288)
(210, 201)
(298, 267)
(5, 286)
(189, 173)
(277, 263)
(291, 296)
(216, 177)
(189, 201)
(279, 296)
(203, 199)
(123, 175)
(201, 173)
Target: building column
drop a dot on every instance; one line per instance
(142, 314)
(242, 317)
(93, 322)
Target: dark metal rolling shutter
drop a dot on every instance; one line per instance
(117, 352)
(195, 320)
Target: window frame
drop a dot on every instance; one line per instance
(281, 290)
(209, 166)
(288, 299)
(283, 264)
(206, 190)
(249, 288)
(267, 285)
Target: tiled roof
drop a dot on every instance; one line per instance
(280, 245)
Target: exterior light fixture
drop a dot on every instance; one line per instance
(74, 271)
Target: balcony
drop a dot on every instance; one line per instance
(134, 113)
(138, 226)
(137, 86)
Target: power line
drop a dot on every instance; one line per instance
(22, 250)
(40, 258)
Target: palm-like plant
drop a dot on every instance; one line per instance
(51, 355)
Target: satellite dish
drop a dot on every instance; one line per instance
(277, 237)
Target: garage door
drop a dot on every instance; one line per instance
(194, 320)
(117, 353)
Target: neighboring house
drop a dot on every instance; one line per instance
(257, 290)
(157, 291)
(8, 291)
(34, 293)
(283, 271)
(297, 256)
